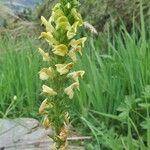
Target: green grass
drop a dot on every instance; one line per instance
(113, 104)
(19, 77)
(112, 95)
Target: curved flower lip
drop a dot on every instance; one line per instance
(64, 68)
(56, 14)
(47, 24)
(46, 73)
(80, 42)
(76, 47)
(46, 122)
(60, 50)
(43, 106)
(76, 74)
(73, 51)
(63, 134)
(57, 6)
(49, 38)
(62, 23)
(77, 16)
(61, 19)
(63, 26)
(72, 55)
(72, 31)
(48, 91)
(44, 55)
(69, 90)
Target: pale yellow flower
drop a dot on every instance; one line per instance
(77, 16)
(76, 74)
(63, 146)
(61, 19)
(60, 50)
(76, 47)
(57, 6)
(49, 27)
(63, 68)
(63, 134)
(62, 23)
(72, 30)
(69, 90)
(43, 106)
(80, 42)
(49, 38)
(73, 51)
(46, 73)
(56, 14)
(46, 122)
(44, 55)
(48, 91)
(72, 55)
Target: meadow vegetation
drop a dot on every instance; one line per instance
(113, 105)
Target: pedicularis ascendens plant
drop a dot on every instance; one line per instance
(60, 78)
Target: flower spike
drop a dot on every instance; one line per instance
(59, 73)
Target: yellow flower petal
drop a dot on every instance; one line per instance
(46, 122)
(48, 91)
(80, 42)
(63, 68)
(43, 106)
(63, 26)
(47, 24)
(62, 23)
(57, 6)
(63, 134)
(77, 16)
(49, 38)
(73, 51)
(61, 19)
(69, 90)
(76, 74)
(72, 55)
(78, 49)
(46, 73)
(72, 31)
(60, 50)
(56, 14)
(44, 55)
